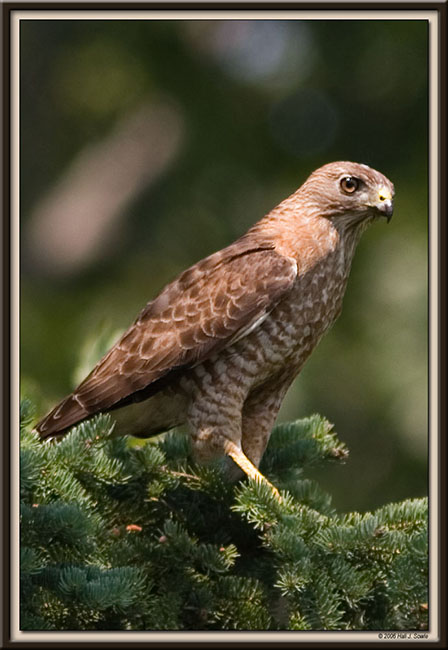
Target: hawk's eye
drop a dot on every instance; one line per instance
(349, 184)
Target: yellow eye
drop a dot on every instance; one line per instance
(349, 184)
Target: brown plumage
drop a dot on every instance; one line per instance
(219, 346)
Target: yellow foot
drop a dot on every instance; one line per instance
(249, 468)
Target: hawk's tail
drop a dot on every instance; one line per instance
(67, 413)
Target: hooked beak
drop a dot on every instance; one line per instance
(384, 203)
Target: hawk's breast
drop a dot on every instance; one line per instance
(288, 335)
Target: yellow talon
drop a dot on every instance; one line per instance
(249, 468)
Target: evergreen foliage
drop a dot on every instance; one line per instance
(116, 536)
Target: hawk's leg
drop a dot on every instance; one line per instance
(260, 411)
(258, 416)
(215, 419)
(249, 468)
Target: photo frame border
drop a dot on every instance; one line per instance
(436, 14)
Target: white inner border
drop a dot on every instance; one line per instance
(434, 180)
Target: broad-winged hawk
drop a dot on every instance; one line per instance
(218, 348)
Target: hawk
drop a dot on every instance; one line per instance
(218, 348)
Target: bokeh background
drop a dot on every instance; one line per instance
(146, 145)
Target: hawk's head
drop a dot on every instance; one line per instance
(350, 191)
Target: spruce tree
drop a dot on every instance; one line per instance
(123, 536)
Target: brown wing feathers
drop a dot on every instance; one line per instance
(210, 305)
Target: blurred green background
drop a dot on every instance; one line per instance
(146, 145)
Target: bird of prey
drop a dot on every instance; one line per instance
(218, 348)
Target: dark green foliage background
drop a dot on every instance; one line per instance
(253, 127)
(140, 538)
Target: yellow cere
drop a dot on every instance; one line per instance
(384, 194)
